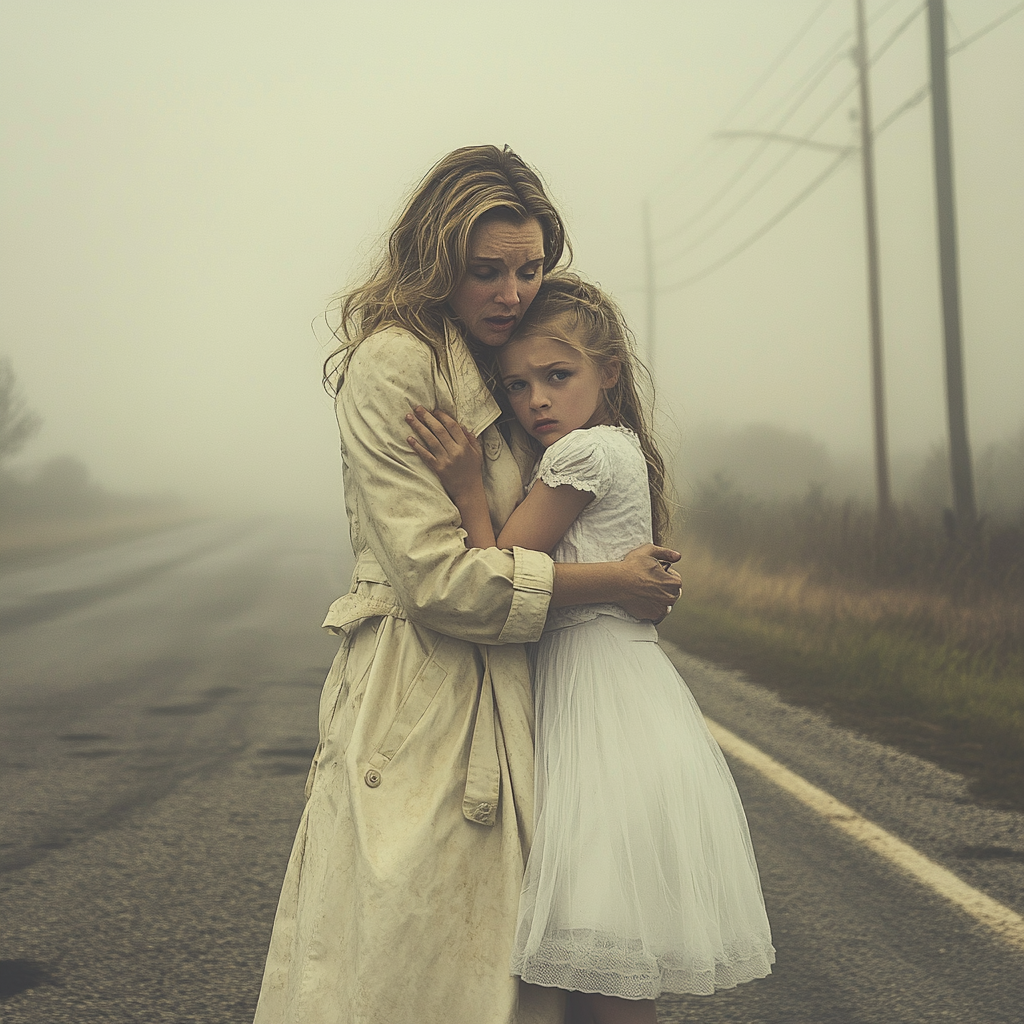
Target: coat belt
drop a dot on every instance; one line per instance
(483, 777)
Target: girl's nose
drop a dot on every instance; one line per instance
(539, 400)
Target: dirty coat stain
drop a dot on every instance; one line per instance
(400, 897)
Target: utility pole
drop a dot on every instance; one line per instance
(959, 450)
(867, 152)
(649, 285)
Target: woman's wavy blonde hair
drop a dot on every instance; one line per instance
(427, 249)
(572, 310)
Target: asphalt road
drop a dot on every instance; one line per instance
(157, 715)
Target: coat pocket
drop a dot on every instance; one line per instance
(422, 691)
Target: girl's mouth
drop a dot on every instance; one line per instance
(543, 426)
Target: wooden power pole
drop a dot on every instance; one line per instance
(867, 151)
(959, 450)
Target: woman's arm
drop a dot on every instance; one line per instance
(640, 584)
(401, 513)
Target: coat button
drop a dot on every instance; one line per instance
(372, 778)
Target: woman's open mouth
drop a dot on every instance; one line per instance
(500, 323)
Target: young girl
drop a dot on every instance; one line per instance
(641, 879)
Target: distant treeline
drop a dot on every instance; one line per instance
(837, 540)
(769, 462)
(58, 490)
(62, 489)
(778, 498)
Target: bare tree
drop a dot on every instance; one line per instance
(17, 422)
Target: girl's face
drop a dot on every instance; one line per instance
(553, 387)
(504, 269)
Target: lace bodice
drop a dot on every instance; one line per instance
(608, 462)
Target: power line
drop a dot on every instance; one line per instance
(985, 31)
(777, 63)
(741, 173)
(831, 57)
(765, 178)
(893, 36)
(883, 12)
(840, 99)
(761, 82)
(915, 99)
(922, 93)
(761, 231)
(829, 147)
(906, 105)
(820, 72)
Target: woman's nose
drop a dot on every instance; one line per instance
(508, 293)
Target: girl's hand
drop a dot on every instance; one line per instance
(449, 449)
(651, 587)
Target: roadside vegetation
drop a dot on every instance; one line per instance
(915, 638)
(56, 506)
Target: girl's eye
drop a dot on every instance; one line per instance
(560, 374)
(516, 385)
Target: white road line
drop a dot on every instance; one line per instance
(1003, 921)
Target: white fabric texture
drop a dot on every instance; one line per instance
(642, 877)
(609, 527)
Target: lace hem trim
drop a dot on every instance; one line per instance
(604, 969)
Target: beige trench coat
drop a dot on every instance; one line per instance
(400, 898)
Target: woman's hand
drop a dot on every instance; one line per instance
(449, 449)
(650, 586)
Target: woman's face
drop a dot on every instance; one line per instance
(504, 269)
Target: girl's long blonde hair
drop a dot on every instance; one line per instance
(582, 315)
(427, 249)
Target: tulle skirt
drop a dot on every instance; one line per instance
(641, 879)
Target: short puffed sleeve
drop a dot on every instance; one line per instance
(580, 459)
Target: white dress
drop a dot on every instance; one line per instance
(641, 878)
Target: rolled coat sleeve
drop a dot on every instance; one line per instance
(409, 523)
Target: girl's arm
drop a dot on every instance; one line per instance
(454, 455)
(539, 521)
(640, 583)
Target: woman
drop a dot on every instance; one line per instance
(400, 898)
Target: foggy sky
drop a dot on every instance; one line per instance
(184, 186)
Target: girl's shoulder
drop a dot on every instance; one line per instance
(603, 435)
(586, 458)
(592, 442)
(612, 436)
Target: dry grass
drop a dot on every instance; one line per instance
(988, 623)
(913, 666)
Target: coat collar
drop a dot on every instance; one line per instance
(476, 407)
